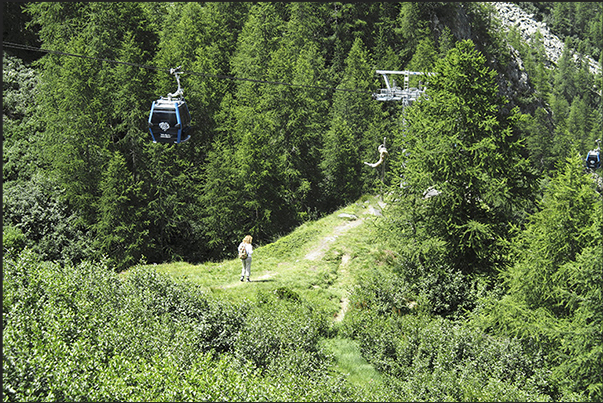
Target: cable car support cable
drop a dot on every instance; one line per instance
(143, 66)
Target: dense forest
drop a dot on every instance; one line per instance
(495, 220)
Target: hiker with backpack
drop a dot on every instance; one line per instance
(245, 251)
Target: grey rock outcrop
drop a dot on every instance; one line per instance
(512, 15)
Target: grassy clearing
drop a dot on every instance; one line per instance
(319, 261)
(309, 260)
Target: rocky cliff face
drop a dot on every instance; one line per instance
(513, 80)
(512, 15)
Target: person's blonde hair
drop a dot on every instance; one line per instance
(247, 239)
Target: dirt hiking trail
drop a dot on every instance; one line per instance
(320, 249)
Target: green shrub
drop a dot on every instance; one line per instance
(64, 323)
(84, 333)
(275, 327)
(287, 294)
(12, 239)
(384, 292)
(424, 358)
(50, 227)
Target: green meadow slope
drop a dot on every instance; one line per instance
(319, 262)
(326, 317)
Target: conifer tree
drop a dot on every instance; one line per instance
(122, 230)
(218, 25)
(194, 37)
(463, 164)
(553, 288)
(353, 135)
(445, 42)
(121, 233)
(425, 56)
(94, 108)
(557, 234)
(564, 77)
(540, 141)
(74, 102)
(386, 36)
(224, 220)
(300, 110)
(248, 126)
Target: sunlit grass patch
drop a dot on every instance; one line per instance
(319, 260)
(318, 263)
(350, 361)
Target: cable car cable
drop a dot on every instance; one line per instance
(34, 49)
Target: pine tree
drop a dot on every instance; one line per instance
(76, 115)
(564, 77)
(553, 288)
(300, 111)
(224, 219)
(340, 164)
(462, 147)
(445, 41)
(120, 232)
(424, 57)
(556, 235)
(540, 142)
(249, 125)
(354, 133)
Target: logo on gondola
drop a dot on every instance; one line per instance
(164, 126)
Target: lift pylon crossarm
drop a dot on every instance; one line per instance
(395, 93)
(405, 72)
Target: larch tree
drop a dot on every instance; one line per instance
(552, 290)
(463, 166)
(247, 127)
(354, 133)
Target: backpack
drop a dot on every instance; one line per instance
(242, 251)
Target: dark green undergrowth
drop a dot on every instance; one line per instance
(426, 357)
(84, 333)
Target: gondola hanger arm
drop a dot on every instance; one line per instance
(179, 93)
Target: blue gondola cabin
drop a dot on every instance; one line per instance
(169, 121)
(593, 159)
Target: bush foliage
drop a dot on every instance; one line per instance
(84, 333)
